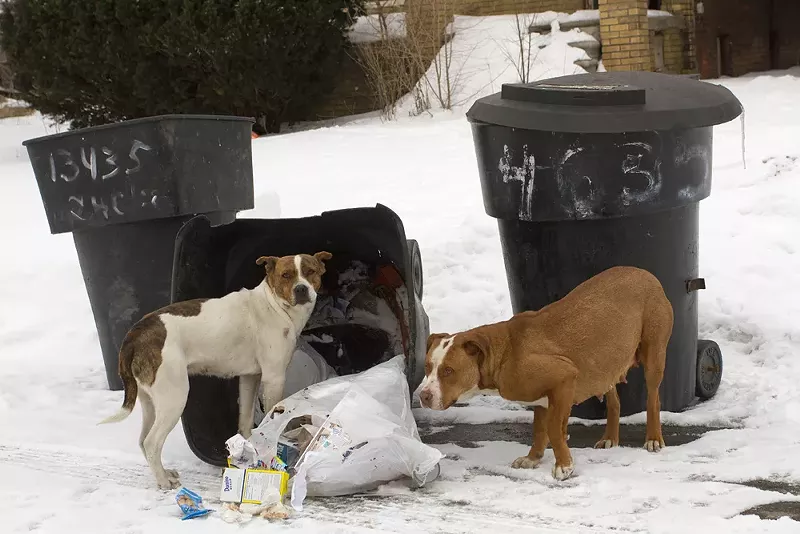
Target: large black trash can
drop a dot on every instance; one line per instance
(591, 171)
(211, 262)
(124, 191)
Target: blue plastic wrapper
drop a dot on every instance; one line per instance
(191, 504)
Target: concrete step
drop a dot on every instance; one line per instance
(590, 65)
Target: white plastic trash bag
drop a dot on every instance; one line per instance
(306, 367)
(369, 436)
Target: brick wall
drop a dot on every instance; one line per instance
(744, 28)
(423, 9)
(672, 50)
(505, 7)
(686, 37)
(786, 26)
(625, 35)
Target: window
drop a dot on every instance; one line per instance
(654, 4)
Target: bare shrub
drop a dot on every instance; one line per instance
(416, 59)
(520, 53)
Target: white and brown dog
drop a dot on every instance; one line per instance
(578, 347)
(250, 333)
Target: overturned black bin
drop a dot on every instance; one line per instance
(591, 171)
(374, 269)
(124, 190)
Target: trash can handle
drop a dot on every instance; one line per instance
(695, 284)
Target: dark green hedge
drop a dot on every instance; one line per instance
(99, 61)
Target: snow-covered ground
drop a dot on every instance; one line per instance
(60, 473)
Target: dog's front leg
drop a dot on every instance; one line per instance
(560, 403)
(534, 457)
(248, 389)
(272, 390)
(561, 385)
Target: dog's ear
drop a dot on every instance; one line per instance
(477, 345)
(434, 339)
(268, 262)
(323, 256)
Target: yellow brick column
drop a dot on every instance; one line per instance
(625, 35)
(685, 9)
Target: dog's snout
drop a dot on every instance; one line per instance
(425, 397)
(301, 295)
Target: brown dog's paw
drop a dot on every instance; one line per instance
(654, 445)
(606, 444)
(526, 462)
(563, 472)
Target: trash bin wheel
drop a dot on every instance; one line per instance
(709, 368)
(416, 266)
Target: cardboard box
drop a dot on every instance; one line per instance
(247, 486)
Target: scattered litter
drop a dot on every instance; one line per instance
(328, 310)
(191, 504)
(276, 511)
(242, 454)
(292, 443)
(232, 514)
(253, 486)
(243, 513)
(365, 435)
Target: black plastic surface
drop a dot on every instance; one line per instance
(570, 205)
(546, 260)
(144, 169)
(608, 102)
(542, 176)
(125, 190)
(127, 271)
(709, 368)
(211, 262)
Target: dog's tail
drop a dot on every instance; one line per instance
(128, 382)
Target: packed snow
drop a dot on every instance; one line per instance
(61, 473)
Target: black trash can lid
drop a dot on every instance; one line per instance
(608, 102)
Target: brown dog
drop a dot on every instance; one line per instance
(573, 349)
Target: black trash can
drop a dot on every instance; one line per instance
(592, 171)
(213, 261)
(124, 191)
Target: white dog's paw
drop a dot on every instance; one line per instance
(525, 462)
(563, 472)
(654, 445)
(170, 481)
(605, 444)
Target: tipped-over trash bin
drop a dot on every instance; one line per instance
(591, 171)
(124, 190)
(369, 308)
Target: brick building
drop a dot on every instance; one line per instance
(712, 37)
(738, 36)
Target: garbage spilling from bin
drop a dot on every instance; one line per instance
(345, 435)
(364, 306)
